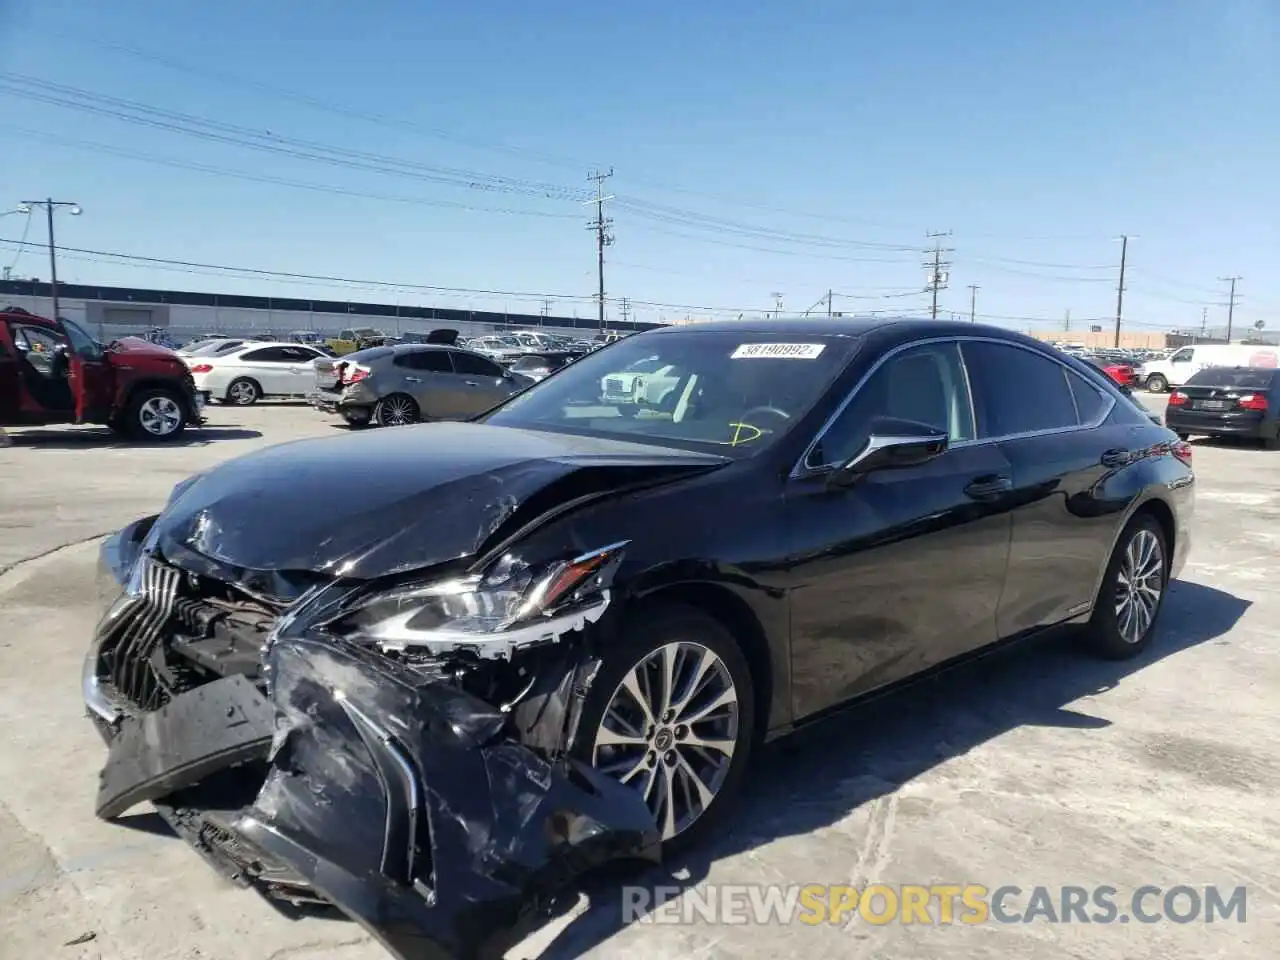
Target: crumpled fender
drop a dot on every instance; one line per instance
(404, 801)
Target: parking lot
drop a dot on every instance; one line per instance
(1035, 767)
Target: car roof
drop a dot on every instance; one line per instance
(261, 344)
(902, 327)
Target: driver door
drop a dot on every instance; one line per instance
(42, 365)
(10, 378)
(903, 570)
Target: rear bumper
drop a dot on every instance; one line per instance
(358, 782)
(1246, 424)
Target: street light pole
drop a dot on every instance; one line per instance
(50, 205)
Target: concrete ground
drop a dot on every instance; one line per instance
(1034, 767)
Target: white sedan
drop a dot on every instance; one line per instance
(254, 370)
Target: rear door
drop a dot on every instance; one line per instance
(483, 382)
(426, 374)
(1047, 421)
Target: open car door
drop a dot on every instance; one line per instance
(10, 378)
(444, 336)
(89, 374)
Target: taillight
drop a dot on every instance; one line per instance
(202, 368)
(1182, 450)
(358, 374)
(1252, 401)
(1177, 398)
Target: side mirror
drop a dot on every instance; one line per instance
(893, 445)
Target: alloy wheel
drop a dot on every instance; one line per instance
(1139, 586)
(242, 392)
(397, 411)
(670, 731)
(160, 415)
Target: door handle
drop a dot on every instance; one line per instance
(987, 487)
(1116, 457)
(472, 383)
(412, 379)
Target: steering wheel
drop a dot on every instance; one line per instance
(772, 411)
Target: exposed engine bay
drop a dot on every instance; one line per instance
(333, 745)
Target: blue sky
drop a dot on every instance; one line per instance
(789, 147)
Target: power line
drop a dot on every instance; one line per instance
(1124, 252)
(603, 239)
(1231, 301)
(937, 277)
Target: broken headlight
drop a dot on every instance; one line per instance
(511, 605)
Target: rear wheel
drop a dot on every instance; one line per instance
(671, 714)
(243, 392)
(396, 410)
(1157, 383)
(1132, 593)
(154, 413)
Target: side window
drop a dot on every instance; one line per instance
(266, 355)
(1186, 353)
(346, 334)
(924, 384)
(1091, 403)
(299, 354)
(475, 366)
(431, 361)
(1016, 390)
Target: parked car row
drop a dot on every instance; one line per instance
(1178, 368)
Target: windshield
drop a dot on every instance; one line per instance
(1250, 378)
(732, 391)
(82, 345)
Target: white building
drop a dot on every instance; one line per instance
(113, 312)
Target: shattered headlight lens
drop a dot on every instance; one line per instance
(511, 601)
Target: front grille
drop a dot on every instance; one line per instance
(138, 631)
(614, 386)
(173, 634)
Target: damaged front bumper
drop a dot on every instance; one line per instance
(356, 781)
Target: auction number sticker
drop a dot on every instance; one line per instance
(790, 351)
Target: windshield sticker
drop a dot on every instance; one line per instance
(790, 351)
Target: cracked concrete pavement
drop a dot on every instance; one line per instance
(1034, 767)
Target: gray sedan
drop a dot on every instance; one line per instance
(388, 386)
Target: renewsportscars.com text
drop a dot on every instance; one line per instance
(932, 904)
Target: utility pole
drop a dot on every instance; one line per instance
(1204, 321)
(50, 205)
(1231, 302)
(973, 303)
(777, 304)
(1066, 322)
(626, 310)
(1124, 253)
(830, 294)
(937, 275)
(601, 226)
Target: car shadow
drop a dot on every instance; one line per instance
(817, 777)
(81, 438)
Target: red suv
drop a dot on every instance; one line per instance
(57, 373)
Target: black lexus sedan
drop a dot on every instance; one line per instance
(552, 636)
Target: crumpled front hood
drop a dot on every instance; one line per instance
(390, 500)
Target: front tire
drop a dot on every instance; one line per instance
(672, 713)
(1133, 591)
(154, 413)
(1157, 383)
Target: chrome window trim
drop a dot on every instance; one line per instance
(803, 468)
